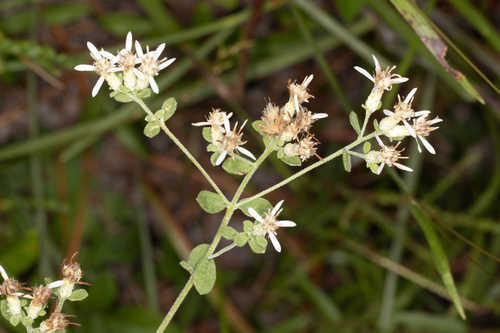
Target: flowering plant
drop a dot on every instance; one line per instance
(285, 130)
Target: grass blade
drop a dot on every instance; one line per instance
(439, 256)
(431, 39)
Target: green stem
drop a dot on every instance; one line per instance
(222, 251)
(181, 147)
(353, 153)
(309, 168)
(365, 123)
(225, 220)
(60, 304)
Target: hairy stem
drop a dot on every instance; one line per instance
(213, 245)
(222, 251)
(181, 147)
(310, 168)
(365, 122)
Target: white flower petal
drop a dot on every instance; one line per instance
(115, 69)
(227, 126)
(379, 141)
(380, 168)
(296, 100)
(97, 86)
(85, 68)
(255, 215)
(434, 121)
(277, 207)
(167, 63)
(138, 49)
(365, 73)
(229, 115)
(153, 85)
(422, 113)
(109, 56)
(410, 95)
(427, 145)
(221, 158)
(3, 273)
(128, 42)
(275, 242)
(403, 167)
(377, 64)
(286, 223)
(93, 50)
(388, 113)
(319, 115)
(138, 73)
(55, 284)
(246, 152)
(409, 128)
(418, 146)
(307, 80)
(399, 80)
(158, 51)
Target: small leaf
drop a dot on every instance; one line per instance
(346, 160)
(228, 232)
(78, 295)
(169, 107)
(210, 202)
(375, 125)
(120, 97)
(204, 276)
(247, 226)
(211, 148)
(4, 309)
(241, 239)
(367, 147)
(152, 129)
(256, 126)
(186, 266)
(14, 320)
(196, 255)
(214, 157)
(144, 93)
(206, 132)
(258, 244)
(438, 255)
(260, 205)
(237, 165)
(353, 119)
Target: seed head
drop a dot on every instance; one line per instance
(56, 322)
(10, 287)
(273, 123)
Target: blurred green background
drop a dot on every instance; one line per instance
(77, 174)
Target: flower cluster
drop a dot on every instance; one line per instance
(402, 122)
(25, 305)
(126, 71)
(291, 124)
(223, 140)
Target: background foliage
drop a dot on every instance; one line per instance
(77, 174)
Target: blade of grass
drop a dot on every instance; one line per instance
(439, 256)
(431, 39)
(320, 58)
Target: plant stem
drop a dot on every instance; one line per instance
(353, 153)
(225, 220)
(365, 122)
(309, 168)
(60, 304)
(181, 147)
(222, 251)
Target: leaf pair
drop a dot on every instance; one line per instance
(153, 126)
(201, 268)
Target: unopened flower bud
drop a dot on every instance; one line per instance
(113, 81)
(41, 296)
(388, 123)
(129, 79)
(374, 100)
(291, 149)
(398, 131)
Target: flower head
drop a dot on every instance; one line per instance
(103, 65)
(268, 224)
(273, 123)
(231, 142)
(56, 322)
(422, 128)
(151, 64)
(388, 155)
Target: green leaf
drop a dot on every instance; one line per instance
(258, 244)
(346, 160)
(120, 97)
(425, 31)
(197, 254)
(78, 295)
(237, 165)
(353, 119)
(260, 205)
(204, 276)
(375, 125)
(228, 232)
(241, 239)
(211, 148)
(438, 256)
(14, 320)
(169, 107)
(256, 126)
(206, 132)
(210, 202)
(186, 266)
(144, 93)
(367, 147)
(247, 226)
(152, 129)
(4, 309)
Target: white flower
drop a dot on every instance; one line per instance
(269, 224)
(103, 65)
(127, 60)
(422, 128)
(230, 142)
(150, 65)
(3, 273)
(388, 155)
(215, 118)
(383, 79)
